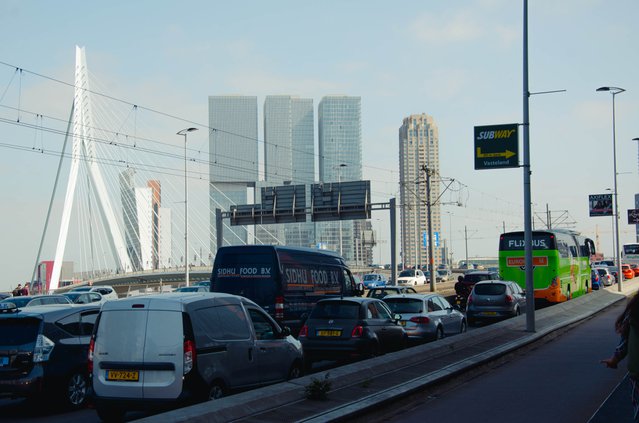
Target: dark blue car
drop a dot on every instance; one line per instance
(595, 280)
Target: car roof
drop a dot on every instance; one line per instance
(413, 296)
(173, 300)
(359, 300)
(50, 312)
(487, 281)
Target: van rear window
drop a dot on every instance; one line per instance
(14, 332)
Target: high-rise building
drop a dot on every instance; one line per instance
(130, 218)
(340, 160)
(165, 252)
(234, 158)
(142, 215)
(418, 150)
(289, 158)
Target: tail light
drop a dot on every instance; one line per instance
(509, 299)
(43, 348)
(279, 308)
(358, 332)
(90, 358)
(420, 320)
(189, 356)
(303, 332)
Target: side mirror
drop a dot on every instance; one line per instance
(360, 289)
(286, 331)
(397, 317)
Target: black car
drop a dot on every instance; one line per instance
(350, 327)
(44, 351)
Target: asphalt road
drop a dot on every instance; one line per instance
(560, 380)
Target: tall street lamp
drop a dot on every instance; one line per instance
(339, 181)
(614, 91)
(186, 209)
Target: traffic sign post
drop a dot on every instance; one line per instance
(496, 146)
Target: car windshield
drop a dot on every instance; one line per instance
(407, 273)
(370, 277)
(405, 305)
(602, 272)
(335, 310)
(490, 289)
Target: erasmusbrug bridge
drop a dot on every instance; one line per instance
(123, 218)
(130, 174)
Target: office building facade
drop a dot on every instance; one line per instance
(340, 160)
(233, 150)
(289, 158)
(418, 150)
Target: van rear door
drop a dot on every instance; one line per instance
(118, 354)
(163, 354)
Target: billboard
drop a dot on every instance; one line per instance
(600, 204)
(633, 217)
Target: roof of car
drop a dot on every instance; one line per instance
(172, 300)
(52, 311)
(412, 295)
(487, 281)
(360, 300)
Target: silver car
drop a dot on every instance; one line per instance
(495, 299)
(605, 275)
(426, 316)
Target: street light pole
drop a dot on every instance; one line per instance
(614, 91)
(339, 181)
(186, 209)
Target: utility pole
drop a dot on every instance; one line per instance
(466, 239)
(431, 261)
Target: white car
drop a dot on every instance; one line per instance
(411, 277)
(107, 292)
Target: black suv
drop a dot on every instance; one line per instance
(44, 351)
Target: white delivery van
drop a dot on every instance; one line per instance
(168, 350)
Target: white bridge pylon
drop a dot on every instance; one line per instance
(84, 149)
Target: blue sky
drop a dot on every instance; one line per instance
(460, 62)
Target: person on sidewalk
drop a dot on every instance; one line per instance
(627, 326)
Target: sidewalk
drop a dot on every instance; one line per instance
(359, 386)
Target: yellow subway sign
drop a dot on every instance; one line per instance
(496, 146)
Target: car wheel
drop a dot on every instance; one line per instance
(76, 390)
(463, 327)
(517, 311)
(110, 414)
(295, 371)
(216, 391)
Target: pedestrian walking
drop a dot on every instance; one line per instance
(627, 326)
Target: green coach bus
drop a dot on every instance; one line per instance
(561, 263)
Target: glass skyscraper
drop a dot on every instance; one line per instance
(340, 160)
(289, 158)
(234, 158)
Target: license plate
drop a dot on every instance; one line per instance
(402, 322)
(4, 361)
(489, 313)
(329, 333)
(123, 375)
